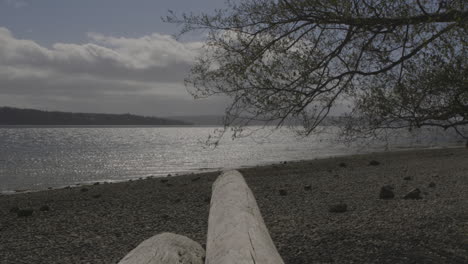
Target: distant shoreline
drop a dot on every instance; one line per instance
(93, 126)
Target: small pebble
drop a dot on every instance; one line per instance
(386, 192)
(283, 192)
(25, 212)
(44, 208)
(374, 163)
(338, 208)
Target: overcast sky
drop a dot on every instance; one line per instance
(113, 56)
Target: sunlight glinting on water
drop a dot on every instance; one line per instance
(37, 158)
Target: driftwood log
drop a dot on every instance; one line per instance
(236, 230)
(166, 248)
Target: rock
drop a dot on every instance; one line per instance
(169, 185)
(283, 192)
(84, 189)
(308, 187)
(196, 179)
(413, 194)
(96, 183)
(177, 200)
(432, 185)
(164, 180)
(338, 208)
(14, 209)
(374, 163)
(44, 208)
(97, 196)
(407, 178)
(25, 212)
(207, 200)
(343, 165)
(386, 192)
(165, 216)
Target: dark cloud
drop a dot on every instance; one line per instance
(109, 74)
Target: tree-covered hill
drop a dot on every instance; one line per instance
(16, 116)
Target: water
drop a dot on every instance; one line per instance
(38, 158)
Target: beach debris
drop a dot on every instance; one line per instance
(166, 248)
(97, 196)
(432, 185)
(283, 192)
(308, 187)
(84, 189)
(343, 165)
(338, 208)
(374, 163)
(164, 180)
(44, 208)
(196, 179)
(386, 192)
(407, 178)
(413, 194)
(14, 209)
(25, 212)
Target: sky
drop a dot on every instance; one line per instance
(108, 56)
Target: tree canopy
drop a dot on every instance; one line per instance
(394, 63)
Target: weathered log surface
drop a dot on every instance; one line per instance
(166, 248)
(236, 230)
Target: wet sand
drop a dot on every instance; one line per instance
(101, 223)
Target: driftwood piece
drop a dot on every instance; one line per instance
(236, 230)
(166, 248)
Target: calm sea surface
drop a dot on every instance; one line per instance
(38, 158)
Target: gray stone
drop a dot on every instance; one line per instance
(386, 192)
(338, 208)
(25, 212)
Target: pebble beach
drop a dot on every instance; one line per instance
(317, 211)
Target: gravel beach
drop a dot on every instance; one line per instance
(318, 211)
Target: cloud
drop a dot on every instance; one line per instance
(106, 68)
(16, 3)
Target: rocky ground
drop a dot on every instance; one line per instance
(321, 211)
